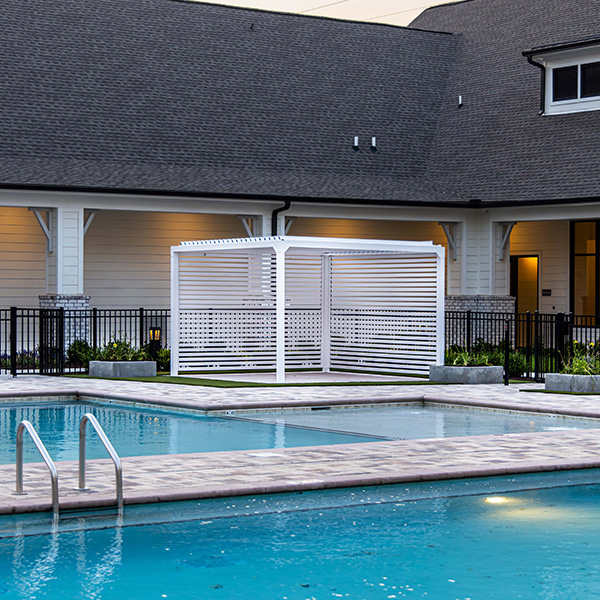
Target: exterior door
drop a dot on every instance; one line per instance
(524, 282)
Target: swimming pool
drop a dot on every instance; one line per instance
(144, 432)
(136, 431)
(418, 421)
(410, 541)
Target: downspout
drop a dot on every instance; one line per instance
(543, 90)
(275, 214)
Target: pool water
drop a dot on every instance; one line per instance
(372, 544)
(143, 432)
(410, 421)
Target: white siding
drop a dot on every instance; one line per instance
(380, 230)
(550, 241)
(22, 258)
(127, 254)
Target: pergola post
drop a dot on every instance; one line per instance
(326, 314)
(280, 314)
(174, 329)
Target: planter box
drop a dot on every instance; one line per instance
(583, 384)
(122, 368)
(472, 375)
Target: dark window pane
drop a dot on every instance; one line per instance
(584, 281)
(584, 235)
(564, 83)
(590, 80)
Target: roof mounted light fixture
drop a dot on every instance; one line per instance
(374, 144)
(355, 144)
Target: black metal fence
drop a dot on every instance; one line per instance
(544, 339)
(36, 340)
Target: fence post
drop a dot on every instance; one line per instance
(141, 343)
(468, 331)
(95, 328)
(528, 340)
(506, 350)
(559, 332)
(13, 341)
(61, 341)
(536, 345)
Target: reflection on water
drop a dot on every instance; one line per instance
(539, 544)
(146, 432)
(38, 560)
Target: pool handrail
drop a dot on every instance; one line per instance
(90, 418)
(26, 425)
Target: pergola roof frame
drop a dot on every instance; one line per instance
(352, 251)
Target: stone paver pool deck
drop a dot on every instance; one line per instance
(179, 477)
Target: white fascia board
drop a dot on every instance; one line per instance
(179, 204)
(556, 212)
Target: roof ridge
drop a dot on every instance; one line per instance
(322, 17)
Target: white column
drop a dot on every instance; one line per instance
(326, 314)
(174, 333)
(440, 309)
(280, 314)
(67, 262)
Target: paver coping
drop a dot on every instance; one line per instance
(222, 474)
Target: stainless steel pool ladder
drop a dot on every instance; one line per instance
(26, 425)
(89, 418)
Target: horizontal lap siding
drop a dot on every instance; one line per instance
(22, 258)
(414, 231)
(127, 254)
(549, 240)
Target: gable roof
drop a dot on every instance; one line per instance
(211, 100)
(496, 148)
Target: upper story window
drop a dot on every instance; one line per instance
(571, 81)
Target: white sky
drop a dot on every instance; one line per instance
(394, 12)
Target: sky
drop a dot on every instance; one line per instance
(393, 12)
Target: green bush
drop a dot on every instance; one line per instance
(80, 353)
(122, 350)
(483, 354)
(163, 360)
(584, 359)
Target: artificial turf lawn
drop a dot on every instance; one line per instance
(242, 384)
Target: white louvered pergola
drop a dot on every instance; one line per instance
(278, 303)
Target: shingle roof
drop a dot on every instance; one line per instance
(496, 147)
(182, 96)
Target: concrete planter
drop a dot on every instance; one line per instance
(471, 375)
(583, 384)
(122, 368)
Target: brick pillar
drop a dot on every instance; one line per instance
(77, 323)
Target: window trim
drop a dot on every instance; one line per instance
(567, 58)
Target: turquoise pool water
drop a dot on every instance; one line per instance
(143, 432)
(378, 543)
(412, 421)
(140, 432)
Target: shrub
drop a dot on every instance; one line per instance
(584, 359)
(80, 353)
(122, 350)
(487, 355)
(163, 359)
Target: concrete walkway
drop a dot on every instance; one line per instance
(177, 477)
